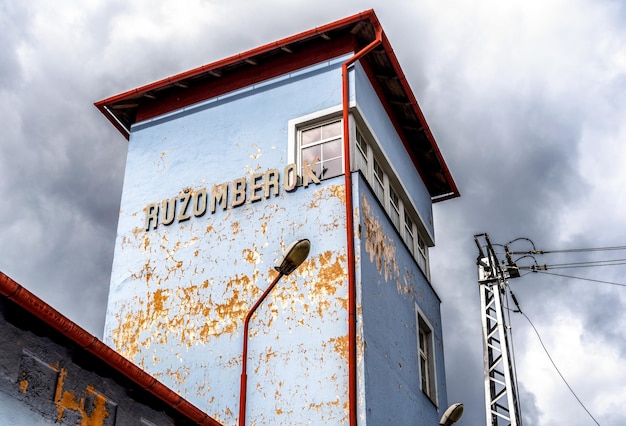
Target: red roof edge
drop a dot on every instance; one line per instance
(418, 111)
(368, 14)
(46, 313)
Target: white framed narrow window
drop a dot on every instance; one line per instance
(426, 356)
(378, 182)
(394, 208)
(409, 233)
(362, 152)
(422, 254)
(321, 146)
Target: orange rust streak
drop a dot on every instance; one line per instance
(67, 400)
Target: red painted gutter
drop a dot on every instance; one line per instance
(352, 335)
(31, 303)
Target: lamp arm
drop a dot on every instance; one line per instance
(244, 355)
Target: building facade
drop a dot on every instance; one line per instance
(316, 136)
(53, 372)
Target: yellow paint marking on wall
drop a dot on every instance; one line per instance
(23, 385)
(67, 400)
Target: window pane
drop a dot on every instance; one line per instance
(424, 371)
(361, 144)
(361, 157)
(312, 135)
(332, 130)
(379, 188)
(332, 168)
(309, 154)
(408, 232)
(378, 172)
(331, 149)
(394, 211)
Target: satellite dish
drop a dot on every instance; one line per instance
(452, 414)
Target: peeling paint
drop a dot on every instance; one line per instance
(23, 385)
(183, 323)
(67, 400)
(378, 245)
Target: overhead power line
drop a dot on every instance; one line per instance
(519, 310)
(557, 368)
(577, 250)
(581, 278)
(501, 392)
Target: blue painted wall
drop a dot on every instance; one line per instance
(391, 283)
(179, 293)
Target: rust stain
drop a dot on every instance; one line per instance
(23, 385)
(340, 345)
(378, 245)
(137, 232)
(332, 191)
(251, 255)
(67, 400)
(156, 314)
(235, 227)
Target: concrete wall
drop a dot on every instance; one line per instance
(391, 284)
(179, 293)
(46, 380)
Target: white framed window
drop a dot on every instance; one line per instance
(321, 146)
(394, 208)
(389, 191)
(317, 149)
(422, 254)
(409, 232)
(378, 183)
(362, 154)
(426, 356)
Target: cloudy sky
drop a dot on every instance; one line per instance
(526, 99)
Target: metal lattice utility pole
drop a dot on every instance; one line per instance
(501, 398)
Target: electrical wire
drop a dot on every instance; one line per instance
(581, 278)
(583, 250)
(556, 368)
(519, 309)
(578, 250)
(587, 264)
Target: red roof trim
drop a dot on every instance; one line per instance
(172, 101)
(369, 15)
(418, 111)
(31, 303)
(244, 78)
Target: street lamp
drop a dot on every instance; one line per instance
(290, 260)
(452, 414)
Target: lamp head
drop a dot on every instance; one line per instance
(295, 254)
(452, 414)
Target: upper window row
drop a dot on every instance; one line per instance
(321, 145)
